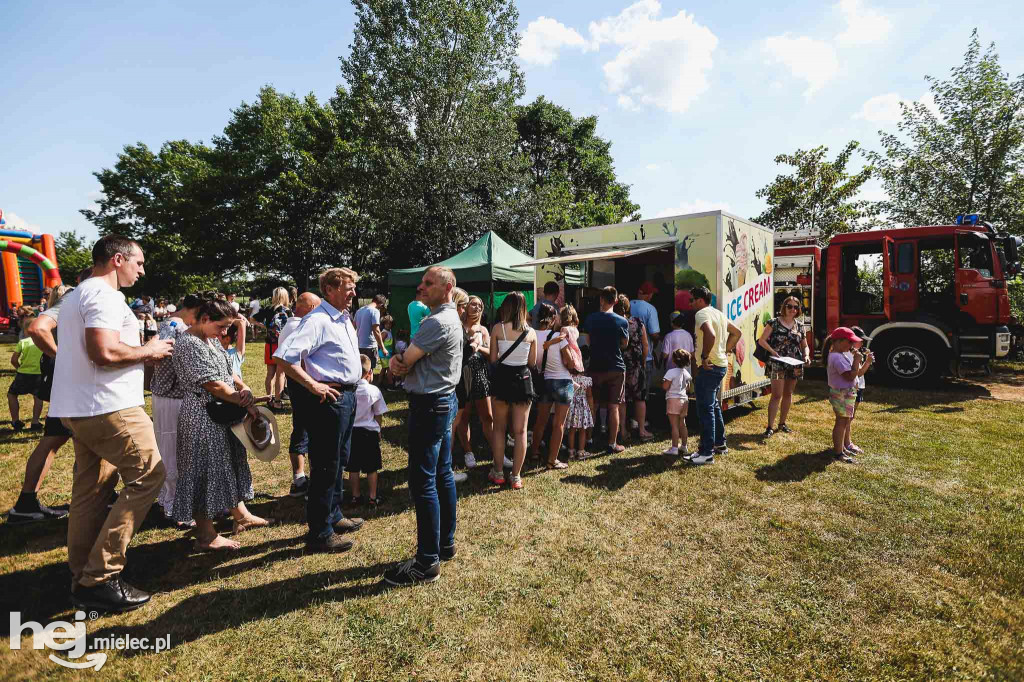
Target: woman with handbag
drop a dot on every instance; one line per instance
(556, 389)
(213, 469)
(513, 351)
(783, 337)
(477, 384)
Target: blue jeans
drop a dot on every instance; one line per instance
(431, 481)
(330, 438)
(300, 397)
(707, 385)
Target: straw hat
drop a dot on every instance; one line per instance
(260, 437)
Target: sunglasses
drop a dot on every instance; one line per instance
(793, 307)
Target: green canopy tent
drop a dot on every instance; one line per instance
(484, 269)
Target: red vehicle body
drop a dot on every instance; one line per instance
(932, 298)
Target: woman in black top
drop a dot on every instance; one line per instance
(784, 337)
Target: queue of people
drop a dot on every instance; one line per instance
(190, 460)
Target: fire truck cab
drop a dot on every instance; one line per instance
(932, 298)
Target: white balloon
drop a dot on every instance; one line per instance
(171, 308)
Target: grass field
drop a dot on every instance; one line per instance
(774, 563)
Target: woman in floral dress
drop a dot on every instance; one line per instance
(213, 469)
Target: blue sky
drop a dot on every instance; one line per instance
(697, 98)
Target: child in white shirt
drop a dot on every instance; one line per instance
(364, 455)
(676, 403)
(675, 339)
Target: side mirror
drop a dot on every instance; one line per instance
(1012, 252)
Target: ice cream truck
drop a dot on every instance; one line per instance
(730, 255)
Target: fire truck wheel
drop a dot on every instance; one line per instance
(908, 361)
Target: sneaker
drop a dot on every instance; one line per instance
(447, 553)
(633, 425)
(496, 478)
(700, 460)
(373, 503)
(768, 433)
(33, 513)
(412, 573)
(517, 483)
(507, 463)
(461, 477)
(720, 449)
(299, 487)
(785, 429)
(671, 452)
(470, 461)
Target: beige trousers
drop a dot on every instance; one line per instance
(124, 443)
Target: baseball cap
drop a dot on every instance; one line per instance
(674, 315)
(844, 334)
(647, 288)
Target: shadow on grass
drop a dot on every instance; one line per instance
(795, 467)
(616, 473)
(212, 612)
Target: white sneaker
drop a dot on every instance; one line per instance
(470, 461)
(701, 459)
(507, 463)
(673, 451)
(461, 476)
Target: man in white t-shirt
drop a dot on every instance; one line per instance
(716, 338)
(97, 393)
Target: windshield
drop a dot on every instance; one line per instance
(975, 254)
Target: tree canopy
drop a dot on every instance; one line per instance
(966, 156)
(819, 195)
(421, 151)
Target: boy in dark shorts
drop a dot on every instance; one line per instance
(365, 454)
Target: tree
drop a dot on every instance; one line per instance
(570, 169)
(820, 195)
(73, 255)
(434, 85)
(965, 157)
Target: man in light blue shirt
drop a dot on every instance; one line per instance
(325, 344)
(641, 309)
(368, 328)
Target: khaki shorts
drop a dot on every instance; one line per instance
(677, 406)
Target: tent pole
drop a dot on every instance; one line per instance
(491, 318)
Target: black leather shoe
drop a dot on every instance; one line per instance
(447, 553)
(335, 543)
(113, 596)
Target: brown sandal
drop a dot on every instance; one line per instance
(558, 464)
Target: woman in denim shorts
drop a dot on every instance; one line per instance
(557, 382)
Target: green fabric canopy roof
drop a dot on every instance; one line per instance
(489, 259)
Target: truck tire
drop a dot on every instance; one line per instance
(909, 360)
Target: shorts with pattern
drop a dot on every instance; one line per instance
(843, 401)
(777, 370)
(557, 391)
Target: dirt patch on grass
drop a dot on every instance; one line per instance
(1005, 383)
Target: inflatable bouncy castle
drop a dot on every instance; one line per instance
(28, 263)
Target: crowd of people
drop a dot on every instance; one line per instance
(541, 365)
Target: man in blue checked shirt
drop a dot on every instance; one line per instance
(325, 344)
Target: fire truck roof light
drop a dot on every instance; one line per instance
(968, 218)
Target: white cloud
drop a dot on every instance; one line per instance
(696, 206)
(16, 222)
(544, 38)
(881, 109)
(662, 62)
(810, 60)
(885, 109)
(864, 24)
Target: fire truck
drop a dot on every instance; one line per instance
(933, 299)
